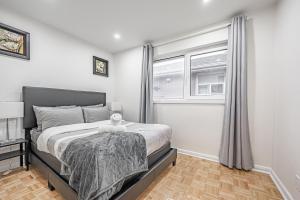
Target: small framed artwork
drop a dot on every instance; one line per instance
(14, 42)
(100, 66)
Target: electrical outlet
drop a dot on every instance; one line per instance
(298, 182)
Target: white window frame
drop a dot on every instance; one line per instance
(187, 97)
(171, 99)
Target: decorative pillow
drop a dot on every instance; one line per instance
(37, 110)
(60, 117)
(95, 114)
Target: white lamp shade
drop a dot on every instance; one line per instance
(116, 107)
(11, 110)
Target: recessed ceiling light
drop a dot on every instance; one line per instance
(117, 36)
(206, 1)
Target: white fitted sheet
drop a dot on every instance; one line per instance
(156, 135)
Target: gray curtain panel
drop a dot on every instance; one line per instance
(235, 150)
(146, 101)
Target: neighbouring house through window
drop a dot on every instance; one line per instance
(193, 75)
(208, 71)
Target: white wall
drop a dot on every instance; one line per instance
(286, 156)
(195, 127)
(128, 78)
(57, 60)
(198, 127)
(261, 83)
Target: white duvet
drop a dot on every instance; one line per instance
(156, 135)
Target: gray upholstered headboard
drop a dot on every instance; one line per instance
(55, 97)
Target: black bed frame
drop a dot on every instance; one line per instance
(58, 97)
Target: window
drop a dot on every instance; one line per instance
(168, 78)
(208, 72)
(193, 76)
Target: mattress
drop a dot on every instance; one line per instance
(156, 135)
(55, 164)
(157, 141)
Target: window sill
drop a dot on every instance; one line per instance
(190, 101)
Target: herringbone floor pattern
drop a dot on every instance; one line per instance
(191, 179)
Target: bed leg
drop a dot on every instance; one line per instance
(174, 163)
(50, 186)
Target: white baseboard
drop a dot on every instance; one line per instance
(262, 169)
(258, 168)
(199, 155)
(281, 187)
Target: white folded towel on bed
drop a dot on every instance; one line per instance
(111, 128)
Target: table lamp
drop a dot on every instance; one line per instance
(116, 107)
(11, 110)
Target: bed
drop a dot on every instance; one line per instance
(159, 157)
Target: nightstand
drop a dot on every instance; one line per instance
(18, 153)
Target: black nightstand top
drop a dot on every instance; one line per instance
(5, 143)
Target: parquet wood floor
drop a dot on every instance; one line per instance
(190, 179)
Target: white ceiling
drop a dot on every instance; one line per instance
(96, 21)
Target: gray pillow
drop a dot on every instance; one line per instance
(38, 109)
(95, 114)
(60, 117)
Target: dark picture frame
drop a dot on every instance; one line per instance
(14, 42)
(100, 66)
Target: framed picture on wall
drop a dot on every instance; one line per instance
(14, 42)
(100, 66)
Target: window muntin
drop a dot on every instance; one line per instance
(168, 78)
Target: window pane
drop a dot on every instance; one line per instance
(208, 73)
(203, 89)
(217, 89)
(168, 78)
